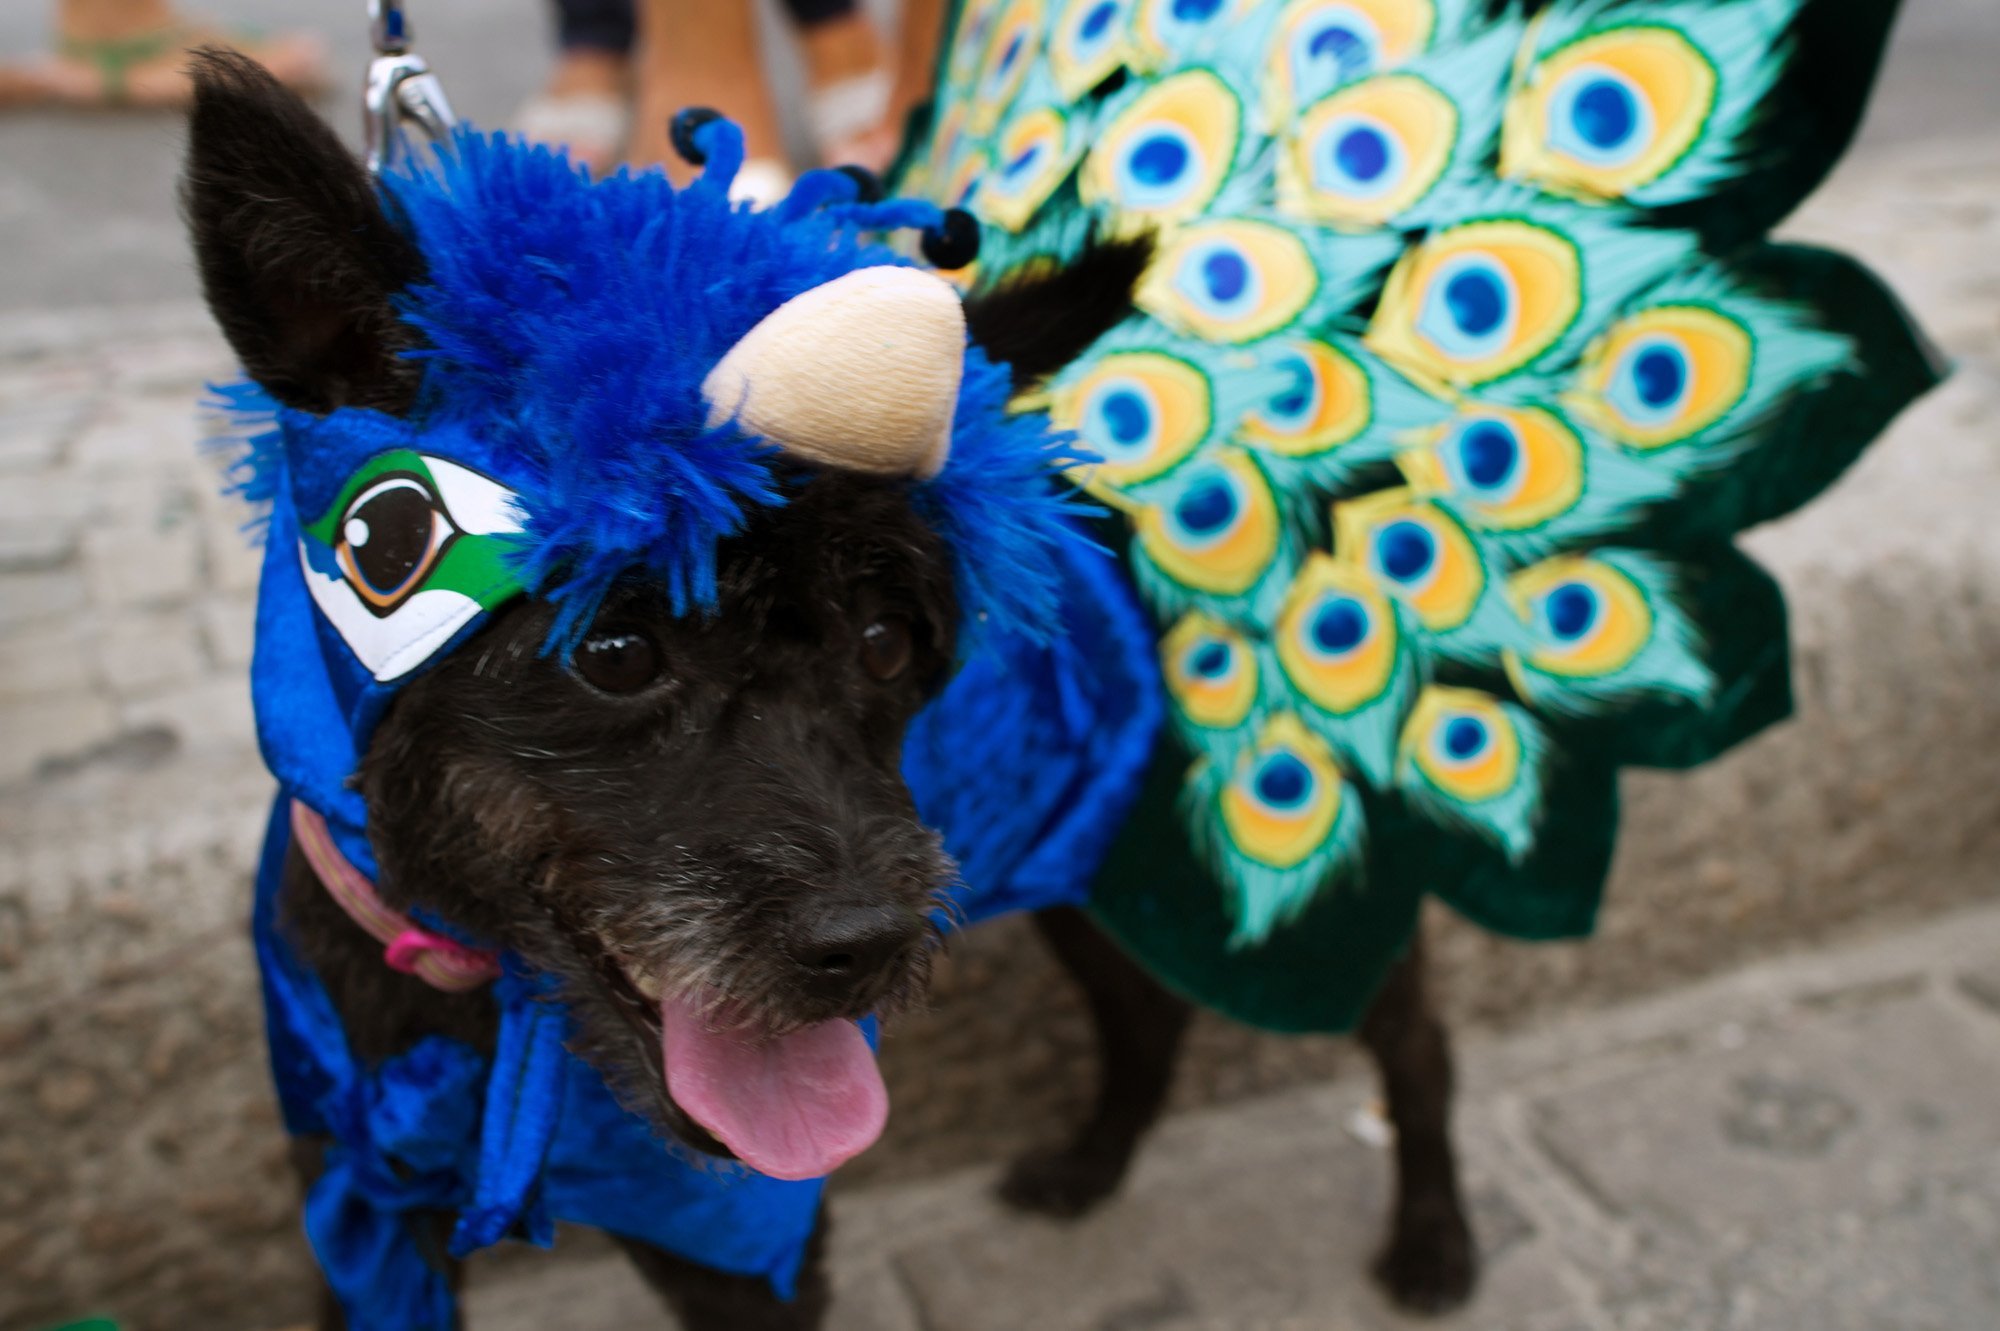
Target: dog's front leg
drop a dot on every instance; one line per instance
(1139, 1028)
(709, 1300)
(1429, 1263)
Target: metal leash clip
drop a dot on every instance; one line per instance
(400, 88)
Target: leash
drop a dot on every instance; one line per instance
(400, 89)
(441, 962)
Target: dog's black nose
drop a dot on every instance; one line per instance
(849, 946)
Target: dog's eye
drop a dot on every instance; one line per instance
(886, 647)
(618, 660)
(390, 539)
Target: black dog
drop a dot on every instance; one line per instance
(707, 804)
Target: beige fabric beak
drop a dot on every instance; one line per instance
(861, 372)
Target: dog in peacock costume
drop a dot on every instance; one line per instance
(1458, 361)
(1461, 358)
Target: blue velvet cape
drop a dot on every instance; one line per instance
(1027, 763)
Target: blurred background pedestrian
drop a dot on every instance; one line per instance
(625, 66)
(112, 53)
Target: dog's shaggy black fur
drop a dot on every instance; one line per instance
(712, 803)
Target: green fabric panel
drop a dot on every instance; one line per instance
(1318, 973)
(1554, 892)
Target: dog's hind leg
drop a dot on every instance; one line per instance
(1429, 1263)
(1139, 1029)
(709, 1300)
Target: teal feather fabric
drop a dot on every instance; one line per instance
(1461, 359)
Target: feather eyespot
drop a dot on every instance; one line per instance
(1218, 532)
(1283, 796)
(1367, 153)
(1168, 154)
(1504, 468)
(1336, 637)
(1141, 412)
(1477, 302)
(1665, 374)
(1610, 113)
(1588, 619)
(1322, 44)
(1230, 281)
(1210, 671)
(1415, 552)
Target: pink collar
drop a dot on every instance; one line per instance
(444, 963)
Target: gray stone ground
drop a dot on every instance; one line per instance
(140, 1167)
(1803, 1145)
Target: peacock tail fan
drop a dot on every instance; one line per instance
(1461, 359)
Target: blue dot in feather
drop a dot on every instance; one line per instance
(1127, 417)
(1469, 311)
(1210, 660)
(1159, 160)
(1570, 610)
(1604, 114)
(1283, 782)
(1196, 11)
(1206, 507)
(1488, 452)
(1226, 274)
(1478, 303)
(1659, 374)
(1296, 399)
(1406, 551)
(1356, 157)
(1022, 160)
(1098, 20)
(1464, 737)
(1344, 52)
(1339, 626)
(1599, 117)
(1363, 153)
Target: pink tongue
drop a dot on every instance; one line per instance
(795, 1107)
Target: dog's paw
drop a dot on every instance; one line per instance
(1429, 1267)
(1061, 1183)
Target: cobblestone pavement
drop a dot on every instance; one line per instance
(1805, 1145)
(140, 1168)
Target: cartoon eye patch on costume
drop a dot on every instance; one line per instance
(412, 549)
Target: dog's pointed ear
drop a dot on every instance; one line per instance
(297, 258)
(1039, 321)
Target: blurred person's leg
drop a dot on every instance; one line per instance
(586, 104)
(848, 73)
(862, 92)
(133, 53)
(705, 53)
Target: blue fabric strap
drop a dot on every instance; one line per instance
(523, 1101)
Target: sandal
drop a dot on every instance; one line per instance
(590, 126)
(148, 70)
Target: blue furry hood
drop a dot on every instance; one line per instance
(568, 325)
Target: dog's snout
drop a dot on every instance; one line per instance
(846, 947)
